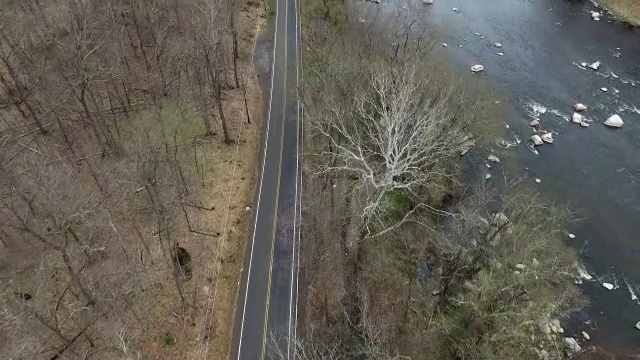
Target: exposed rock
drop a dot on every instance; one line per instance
(498, 45)
(596, 15)
(572, 344)
(487, 177)
(427, 2)
(521, 267)
(584, 64)
(577, 118)
(638, 325)
(571, 236)
(247, 209)
(538, 181)
(493, 158)
(604, 89)
(614, 121)
(535, 262)
(580, 107)
(500, 219)
(454, 9)
(607, 286)
(586, 336)
(484, 225)
(445, 45)
(548, 138)
(584, 124)
(535, 123)
(595, 65)
(500, 53)
(477, 68)
(545, 327)
(536, 140)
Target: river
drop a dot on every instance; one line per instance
(595, 170)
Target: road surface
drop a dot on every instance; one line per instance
(266, 308)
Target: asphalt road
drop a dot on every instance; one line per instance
(266, 307)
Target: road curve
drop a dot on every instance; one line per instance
(266, 308)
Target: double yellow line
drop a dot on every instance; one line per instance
(276, 207)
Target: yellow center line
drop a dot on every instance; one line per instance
(275, 216)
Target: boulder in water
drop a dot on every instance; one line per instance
(572, 345)
(614, 121)
(577, 118)
(548, 138)
(580, 107)
(536, 140)
(535, 123)
(595, 65)
(477, 68)
(427, 2)
(493, 158)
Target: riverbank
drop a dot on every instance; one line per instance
(625, 10)
(400, 262)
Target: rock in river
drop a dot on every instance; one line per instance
(477, 68)
(572, 344)
(614, 121)
(534, 123)
(580, 107)
(548, 138)
(577, 118)
(493, 158)
(427, 2)
(536, 140)
(595, 65)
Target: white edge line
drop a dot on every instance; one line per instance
(264, 159)
(295, 217)
(301, 117)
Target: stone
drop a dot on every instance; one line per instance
(500, 53)
(586, 336)
(500, 219)
(427, 2)
(584, 124)
(545, 327)
(487, 177)
(247, 209)
(595, 65)
(607, 286)
(584, 64)
(580, 107)
(535, 262)
(536, 140)
(498, 45)
(535, 123)
(577, 118)
(445, 45)
(572, 344)
(571, 236)
(548, 138)
(454, 9)
(614, 121)
(477, 68)
(538, 181)
(638, 325)
(604, 89)
(493, 158)
(521, 267)
(595, 15)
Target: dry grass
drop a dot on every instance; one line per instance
(625, 10)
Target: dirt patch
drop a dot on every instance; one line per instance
(625, 10)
